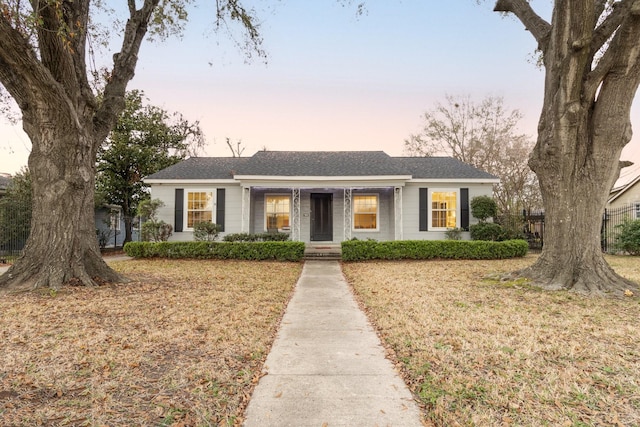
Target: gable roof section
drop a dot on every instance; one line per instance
(617, 192)
(202, 168)
(319, 164)
(441, 168)
(323, 163)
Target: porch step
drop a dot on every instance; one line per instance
(323, 252)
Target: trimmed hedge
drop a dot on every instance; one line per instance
(280, 251)
(256, 237)
(361, 250)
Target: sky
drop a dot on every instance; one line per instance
(336, 80)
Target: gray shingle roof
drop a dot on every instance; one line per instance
(321, 163)
(441, 168)
(203, 168)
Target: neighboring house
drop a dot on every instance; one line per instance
(321, 196)
(110, 226)
(626, 196)
(5, 180)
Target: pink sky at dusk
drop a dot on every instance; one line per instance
(335, 81)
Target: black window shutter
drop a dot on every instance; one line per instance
(220, 208)
(179, 210)
(424, 210)
(464, 208)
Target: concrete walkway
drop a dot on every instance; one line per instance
(327, 367)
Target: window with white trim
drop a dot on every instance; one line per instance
(277, 211)
(199, 207)
(365, 212)
(444, 209)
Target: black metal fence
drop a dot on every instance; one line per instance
(530, 226)
(611, 219)
(15, 223)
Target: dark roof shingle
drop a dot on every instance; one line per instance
(321, 163)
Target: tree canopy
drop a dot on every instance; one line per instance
(483, 134)
(46, 67)
(145, 140)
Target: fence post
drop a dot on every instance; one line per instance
(603, 232)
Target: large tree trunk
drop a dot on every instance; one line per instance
(62, 245)
(584, 125)
(66, 124)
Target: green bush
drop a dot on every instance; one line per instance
(453, 233)
(256, 237)
(205, 231)
(281, 251)
(488, 231)
(483, 207)
(629, 238)
(156, 231)
(358, 250)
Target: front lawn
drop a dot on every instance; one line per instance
(182, 344)
(483, 353)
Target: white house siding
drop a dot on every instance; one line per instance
(386, 217)
(233, 206)
(411, 208)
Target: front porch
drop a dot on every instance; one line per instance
(324, 216)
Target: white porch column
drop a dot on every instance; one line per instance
(295, 220)
(397, 203)
(246, 209)
(347, 214)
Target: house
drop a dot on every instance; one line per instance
(626, 197)
(321, 196)
(110, 226)
(5, 181)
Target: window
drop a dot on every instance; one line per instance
(637, 210)
(365, 212)
(114, 219)
(444, 209)
(199, 207)
(277, 211)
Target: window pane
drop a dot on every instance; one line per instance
(443, 209)
(365, 212)
(199, 207)
(277, 211)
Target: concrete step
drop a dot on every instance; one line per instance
(323, 252)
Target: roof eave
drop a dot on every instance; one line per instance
(187, 181)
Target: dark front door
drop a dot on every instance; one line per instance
(321, 217)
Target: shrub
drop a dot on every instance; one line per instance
(628, 239)
(432, 249)
(453, 233)
(483, 207)
(156, 231)
(488, 231)
(205, 231)
(153, 230)
(256, 237)
(280, 251)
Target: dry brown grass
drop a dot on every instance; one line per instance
(484, 353)
(181, 345)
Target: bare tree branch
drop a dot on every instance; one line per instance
(123, 68)
(531, 20)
